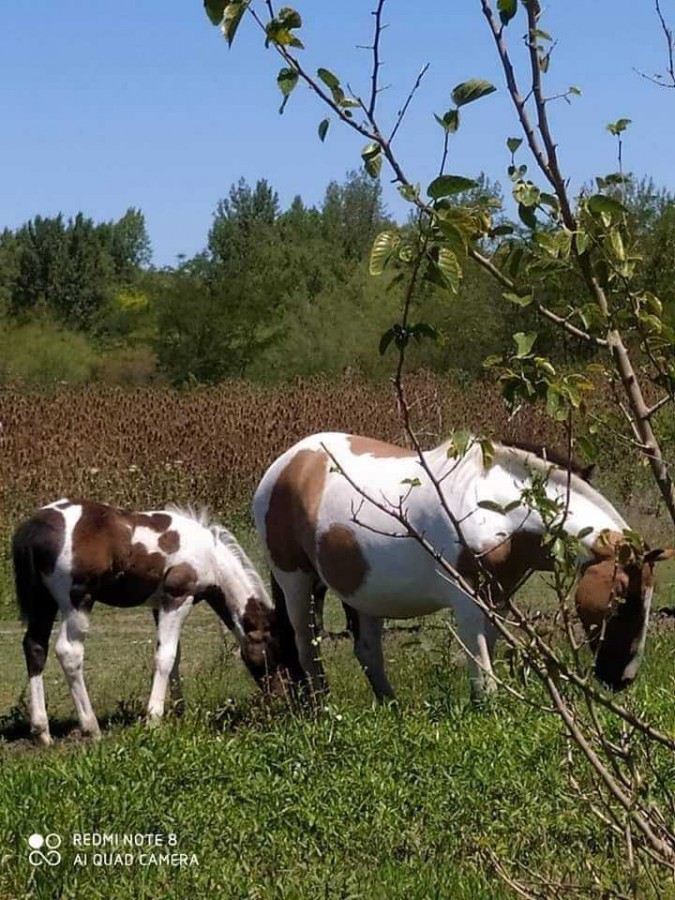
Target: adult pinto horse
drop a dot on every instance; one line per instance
(72, 554)
(320, 531)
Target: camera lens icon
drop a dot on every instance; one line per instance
(50, 857)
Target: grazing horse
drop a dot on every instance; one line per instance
(318, 529)
(72, 554)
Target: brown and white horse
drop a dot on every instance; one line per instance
(319, 530)
(72, 554)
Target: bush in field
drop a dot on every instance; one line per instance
(44, 353)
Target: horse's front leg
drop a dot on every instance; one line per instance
(175, 686)
(170, 617)
(367, 634)
(478, 637)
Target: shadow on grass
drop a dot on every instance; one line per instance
(15, 726)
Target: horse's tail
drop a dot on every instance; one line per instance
(27, 577)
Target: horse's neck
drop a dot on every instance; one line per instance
(467, 482)
(583, 507)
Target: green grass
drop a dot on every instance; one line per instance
(355, 803)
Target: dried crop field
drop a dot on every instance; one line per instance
(357, 802)
(208, 446)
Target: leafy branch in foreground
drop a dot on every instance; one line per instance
(589, 241)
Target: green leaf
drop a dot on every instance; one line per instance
(385, 340)
(616, 128)
(287, 79)
(468, 91)
(323, 129)
(383, 246)
(234, 10)
(513, 144)
(507, 10)
(518, 299)
(215, 10)
(527, 216)
(289, 17)
(409, 192)
(331, 81)
(445, 185)
(449, 122)
(542, 35)
(524, 341)
(491, 506)
(600, 203)
(423, 329)
(413, 482)
(450, 268)
(372, 159)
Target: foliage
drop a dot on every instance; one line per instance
(43, 353)
(68, 268)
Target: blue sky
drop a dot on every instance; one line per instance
(140, 103)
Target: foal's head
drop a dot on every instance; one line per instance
(613, 600)
(268, 648)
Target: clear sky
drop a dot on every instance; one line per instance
(140, 103)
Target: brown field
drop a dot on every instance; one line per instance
(208, 446)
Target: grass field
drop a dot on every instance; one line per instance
(356, 802)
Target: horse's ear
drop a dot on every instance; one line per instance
(586, 472)
(653, 556)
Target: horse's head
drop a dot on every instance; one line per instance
(268, 649)
(613, 600)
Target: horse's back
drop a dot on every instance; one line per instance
(312, 516)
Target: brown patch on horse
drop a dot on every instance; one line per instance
(552, 455)
(169, 542)
(293, 509)
(360, 446)
(341, 560)
(509, 562)
(106, 567)
(180, 582)
(100, 541)
(158, 522)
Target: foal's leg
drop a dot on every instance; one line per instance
(175, 686)
(297, 588)
(478, 636)
(172, 614)
(70, 651)
(367, 633)
(35, 648)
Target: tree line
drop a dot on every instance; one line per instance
(275, 294)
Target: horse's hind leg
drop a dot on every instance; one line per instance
(172, 614)
(298, 589)
(318, 605)
(36, 648)
(367, 633)
(70, 651)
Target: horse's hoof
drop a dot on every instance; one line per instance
(42, 738)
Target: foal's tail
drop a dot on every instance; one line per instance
(27, 578)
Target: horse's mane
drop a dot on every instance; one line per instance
(221, 535)
(560, 475)
(552, 456)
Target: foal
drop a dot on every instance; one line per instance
(70, 555)
(319, 529)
